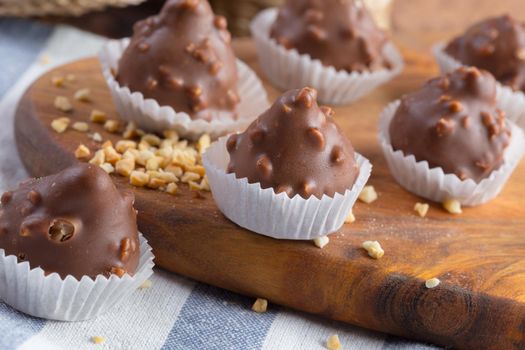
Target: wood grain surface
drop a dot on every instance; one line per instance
(479, 255)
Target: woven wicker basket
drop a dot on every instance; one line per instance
(29, 8)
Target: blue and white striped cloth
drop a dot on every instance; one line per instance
(175, 313)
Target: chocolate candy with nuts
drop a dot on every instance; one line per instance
(295, 147)
(453, 122)
(341, 34)
(73, 223)
(496, 44)
(183, 58)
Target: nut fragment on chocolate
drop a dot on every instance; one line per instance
(301, 151)
(183, 58)
(496, 44)
(72, 223)
(469, 141)
(341, 34)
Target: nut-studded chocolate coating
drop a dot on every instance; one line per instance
(340, 33)
(183, 58)
(496, 44)
(73, 223)
(295, 147)
(453, 123)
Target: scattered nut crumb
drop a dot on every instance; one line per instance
(71, 78)
(368, 194)
(139, 179)
(108, 168)
(83, 95)
(82, 152)
(421, 209)
(62, 104)
(260, 305)
(374, 249)
(58, 81)
(146, 284)
(452, 206)
(98, 116)
(432, 283)
(112, 126)
(333, 342)
(172, 188)
(320, 242)
(97, 340)
(99, 158)
(125, 166)
(81, 126)
(60, 124)
(350, 217)
(96, 137)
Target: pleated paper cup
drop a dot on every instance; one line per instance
(433, 183)
(32, 292)
(277, 215)
(512, 102)
(149, 115)
(287, 69)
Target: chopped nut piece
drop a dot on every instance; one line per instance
(368, 194)
(112, 126)
(108, 168)
(145, 285)
(260, 305)
(333, 342)
(81, 126)
(107, 143)
(96, 137)
(71, 78)
(58, 81)
(130, 131)
(97, 340)
(125, 166)
(112, 156)
(83, 95)
(123, 145)
(190, 176)
(99, 158)
(63, 104)
(421, 209)
(205, 185)
(60, 124)
(203, 143)
(82, 152)
(320, 242)
(156, 182)
(172, 188)
(143, 156)
(198, 169)
(151, 139)
(374, 249)
(452, 206)
(153, 163)
(194, 186)
(171, 135)
(138, 178)
(350, 217)
(432, 283)
(175, 170)
(98, 116)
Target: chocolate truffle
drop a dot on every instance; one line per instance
(295, 147)
(497, 45)
(340, 33)
(452, 122)
(183, 58)
(73, 223)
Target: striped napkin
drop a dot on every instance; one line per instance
(174, 313)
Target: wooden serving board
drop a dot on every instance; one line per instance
(479, 255)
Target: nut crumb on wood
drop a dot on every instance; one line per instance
(452, 206)
(71, 78)
(260, 305)
(62, 104)
(97, 340)
(421, 209)
(81, 126)
(83, 95)
(60, 124)
(350, 217)
(82, 152)
(432, 283)
(58, 80)
(368, 194)
(99, 158)
(108, 168)
(96, 137)
(98, 116)
(373, 249)
(320, 242)
(113, 126)
(333, 342)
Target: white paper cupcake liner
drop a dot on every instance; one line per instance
(148, 114)
(277, 215)
(433, 183)
(287, 69)
(69, 299)
(512, 102)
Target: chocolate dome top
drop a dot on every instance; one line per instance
(496, 44)
(183, 58)
(340, 33)
(295, 147)
(73, 223)
(453, 123)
